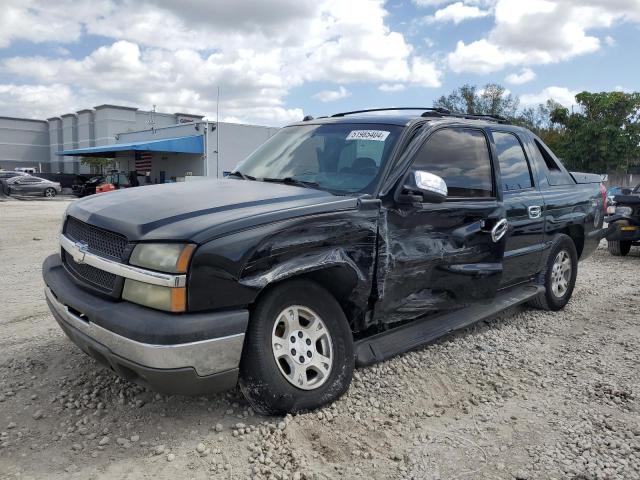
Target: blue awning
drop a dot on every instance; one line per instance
(191, 144)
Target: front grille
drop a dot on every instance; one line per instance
(95, 277)
(99, 241)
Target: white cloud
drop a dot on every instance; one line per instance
(610, 41)
(541, 32)
(562, 95)
(35, 100)
(457, 13)
(175, 54)
(332, 95)
(391, 87)
(524, 76)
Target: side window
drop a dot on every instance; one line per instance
(461, 157)
(514, 167)
(555, 174)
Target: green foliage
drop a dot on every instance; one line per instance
(492, 99)
(602, 135)
(97, 163)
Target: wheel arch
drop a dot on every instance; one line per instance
(576, 234)
(341, 280)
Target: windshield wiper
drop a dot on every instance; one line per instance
(243, 176)
(292, 181)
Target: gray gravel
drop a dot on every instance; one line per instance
(527, 395)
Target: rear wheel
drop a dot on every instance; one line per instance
(559, 276)
(618, 249)
(298, 354)
(50, 192)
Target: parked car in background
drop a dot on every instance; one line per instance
(87, 187)
(66, 180)
(624, 222)
(30, 185)
(6, 175)
(612, 192)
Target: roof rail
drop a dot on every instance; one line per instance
(442, 111)
(430, 112)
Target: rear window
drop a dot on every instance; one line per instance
(555, 174)
(461, 157)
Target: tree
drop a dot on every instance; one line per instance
(492, 99)
(604, 134)
(97, 163)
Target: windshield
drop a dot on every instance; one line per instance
(342, 158)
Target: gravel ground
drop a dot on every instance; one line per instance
(526, 395)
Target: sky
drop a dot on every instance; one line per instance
(275, 61)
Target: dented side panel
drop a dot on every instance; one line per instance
(232, 270)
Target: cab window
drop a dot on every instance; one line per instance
(461, 157)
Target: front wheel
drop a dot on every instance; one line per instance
(298, 354)
(618, 249)
(559, 276)
(50, 192)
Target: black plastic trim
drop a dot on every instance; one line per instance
(385, 345)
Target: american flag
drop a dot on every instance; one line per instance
(143, 161)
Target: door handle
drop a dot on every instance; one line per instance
(499, 230)
(535, 211)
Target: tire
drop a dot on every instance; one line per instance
(50, 192)
(618, 249)
(263, 379)
(555, 298)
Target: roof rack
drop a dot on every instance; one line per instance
(443, 111)
(430, 112)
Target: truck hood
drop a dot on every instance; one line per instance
(198, 211)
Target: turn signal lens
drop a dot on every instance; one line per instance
(182, 264)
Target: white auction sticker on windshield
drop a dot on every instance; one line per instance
(375, 135)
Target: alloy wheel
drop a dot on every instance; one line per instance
(561, 274)
(301, 345)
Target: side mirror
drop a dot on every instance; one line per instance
(419, 186)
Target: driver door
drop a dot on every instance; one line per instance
(437, 257)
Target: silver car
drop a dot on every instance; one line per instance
(29, 185)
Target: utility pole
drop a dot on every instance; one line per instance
(152, 119)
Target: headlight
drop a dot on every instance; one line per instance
(164, 257)
(624, 211)
(155, 296)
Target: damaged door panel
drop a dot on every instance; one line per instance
(439, 257)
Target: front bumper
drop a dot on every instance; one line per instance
(187, 354)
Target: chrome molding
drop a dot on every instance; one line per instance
(206, 357)
(79, 252)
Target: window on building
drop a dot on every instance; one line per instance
(514, 167)
(461, 157)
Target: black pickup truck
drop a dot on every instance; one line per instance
(340, 242)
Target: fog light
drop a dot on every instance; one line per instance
(154, 296)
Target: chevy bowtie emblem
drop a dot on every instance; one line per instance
(80, 251)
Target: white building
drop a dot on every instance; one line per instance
(167, 146)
